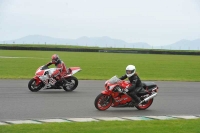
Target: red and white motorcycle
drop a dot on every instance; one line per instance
(42, 79)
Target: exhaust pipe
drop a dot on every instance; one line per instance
(148, 98)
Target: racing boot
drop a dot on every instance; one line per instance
(136, 100)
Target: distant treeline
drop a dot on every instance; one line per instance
(135, 51)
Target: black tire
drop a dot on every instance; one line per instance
(32, 87)
(72, 83)
(103, 102)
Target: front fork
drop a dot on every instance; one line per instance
(108, 94)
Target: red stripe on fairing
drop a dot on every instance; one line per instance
(74, 68)
(40, 73)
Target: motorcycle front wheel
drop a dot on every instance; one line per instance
(103, 102)
(33, 87)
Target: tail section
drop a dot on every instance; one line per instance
(74, 70)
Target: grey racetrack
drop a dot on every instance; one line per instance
(18, 103)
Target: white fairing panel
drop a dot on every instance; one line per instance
(45, 77)
(51, 70)
(75, 71)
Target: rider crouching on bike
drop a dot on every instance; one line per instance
(60, 65)
(136, 84)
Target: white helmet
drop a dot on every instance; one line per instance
(130, 70)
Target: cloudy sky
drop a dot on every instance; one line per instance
(156, 22)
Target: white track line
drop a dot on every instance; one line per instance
(135, 118)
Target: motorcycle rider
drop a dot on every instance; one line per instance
(61, 68)
(136, 84)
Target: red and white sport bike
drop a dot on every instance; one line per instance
(114, 96)
(42, 80)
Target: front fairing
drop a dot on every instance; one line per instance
(37, 80)
(43, 73)
(112, 90)
(39, 71)
(125, 84)
(105, 92)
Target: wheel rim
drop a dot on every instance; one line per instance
(34, 86)
(146, 104)
(104, 102)
(70, 84)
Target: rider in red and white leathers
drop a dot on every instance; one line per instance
(61, 68)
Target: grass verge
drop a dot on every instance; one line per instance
(16, 64)
(152, 126)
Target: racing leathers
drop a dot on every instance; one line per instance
(60, 71)
(136, 86)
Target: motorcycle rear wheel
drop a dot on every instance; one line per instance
(145, 105)
(33, 87)
(72, 83)
(103, 102)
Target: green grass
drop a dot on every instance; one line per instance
(101, 66)
(153, 126)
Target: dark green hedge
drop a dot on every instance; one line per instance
(146, 51)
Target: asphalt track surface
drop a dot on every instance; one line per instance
(18, 103)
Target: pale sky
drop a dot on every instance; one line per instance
(156, 22)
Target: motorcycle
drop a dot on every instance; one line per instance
(114, 96)
(42, 79)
